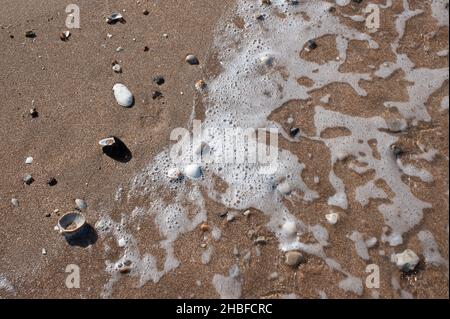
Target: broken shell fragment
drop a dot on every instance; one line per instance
(123, 95)
(174, 174)
(200, 85)
(64, 35)
(107, 141)
(114, 18)
(30, 34)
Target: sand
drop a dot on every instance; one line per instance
(71, 84)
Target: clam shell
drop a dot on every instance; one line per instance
(76, 218)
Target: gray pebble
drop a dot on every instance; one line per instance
(294, 258)
(28, 179)
(192, 59)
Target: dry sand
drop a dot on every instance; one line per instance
(70, 83)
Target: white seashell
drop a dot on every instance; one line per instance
(284, 188)
(332, 218)
(107, 141)
(113, 18)
(29, 160)
(117, 68)
(193, 171)
(406, 260)
(123, 95)
(174, 173)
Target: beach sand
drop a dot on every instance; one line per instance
(71, 84)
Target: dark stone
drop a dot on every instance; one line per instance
(157, 95)
(312, 44)
(159, 80)
(52, 181)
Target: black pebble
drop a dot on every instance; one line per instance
(157, 95)
(294, 131)
(52, 181)
(159, 80)
(312, 44)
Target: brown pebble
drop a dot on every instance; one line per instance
(204, 227)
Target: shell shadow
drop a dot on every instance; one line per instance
(87, 236)
(118, 151)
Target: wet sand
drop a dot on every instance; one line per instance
(70, 83)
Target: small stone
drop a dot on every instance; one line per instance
(44, 252)
(204, 227)
(28, 179)
(223, 214)
(125, 270)
(396, 125)
(397, 151)
(34, 113)
(247, 213)
(267, 60)
(260, 16)
(52, 181)
(407, 260)
(203, 245)
(15, 202)
(312, 44)
(47, 214)
(159, 80)
(30, 34)
(81, 204)
(193, 171)
(230, 217)
(284, 188)
(200, 85)
(261, 240)
(64, 35)
(165, 35)
(274, 276)
(266, 2)
(122, 242)
(119, 49)
(371, 242)
(294, 132)
(289, 228)
(332, 218)
(123, 95)
(29, 160)
(146, 49)
(157, 95)
(192, 59)
(145, 12)
(174, 174)
(294, 258)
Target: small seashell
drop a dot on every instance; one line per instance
(193, 171)
(192, 59)
(200, 85)
(29, 160)
(174, 174)
(332, 218)
(107, 141)
(64, 35)
(267, 60)
(30, 34)
(114, 18)
(123, 95)
(71, 223)
(117, 68)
